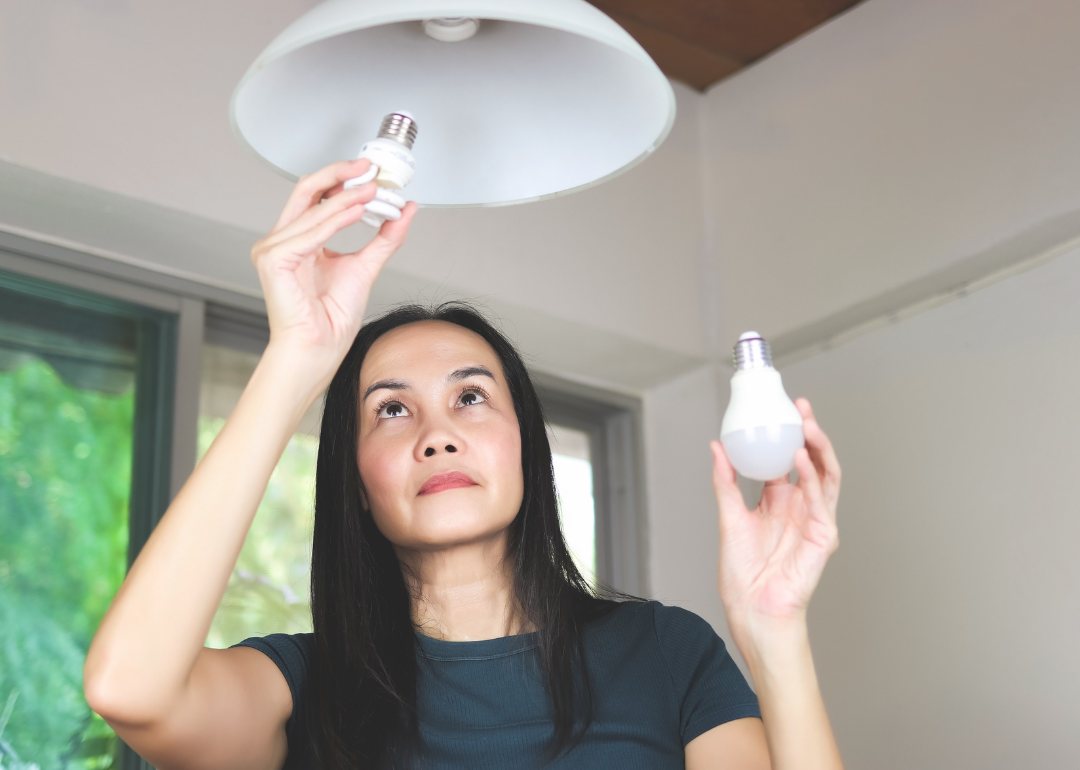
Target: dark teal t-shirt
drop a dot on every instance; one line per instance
(661, 677)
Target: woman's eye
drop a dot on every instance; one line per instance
(471, 398)
(393, 409)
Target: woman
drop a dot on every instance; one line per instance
(451, 627)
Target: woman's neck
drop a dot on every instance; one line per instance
(463, 593)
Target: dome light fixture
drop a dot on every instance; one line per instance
(519, 100)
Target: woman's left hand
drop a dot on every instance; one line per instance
(772, 557)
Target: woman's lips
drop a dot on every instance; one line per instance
(445, 481)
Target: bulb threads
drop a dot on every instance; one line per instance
(399, 127)
(752, 352)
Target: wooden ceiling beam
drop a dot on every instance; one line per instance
(702, 41)
(678, 59)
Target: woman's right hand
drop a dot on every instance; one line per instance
(315, 297)
(147, 672)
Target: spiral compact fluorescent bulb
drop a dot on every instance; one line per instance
(392, 167)
(762, 429)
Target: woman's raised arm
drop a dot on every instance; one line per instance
(147, 672)
(771, 559)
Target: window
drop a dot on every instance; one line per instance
(269, 590)
(113, 380)
(85, 387)
(595, 432)
(572, 462)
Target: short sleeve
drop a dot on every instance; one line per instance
(291, 653)
(710, 688)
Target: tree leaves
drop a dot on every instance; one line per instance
(65, 477)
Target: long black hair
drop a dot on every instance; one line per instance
(362, 692)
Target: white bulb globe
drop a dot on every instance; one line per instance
(762, 428)
(763, 453)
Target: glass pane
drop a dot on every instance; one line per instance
(269, 591)
(574, 482)
(67, 405)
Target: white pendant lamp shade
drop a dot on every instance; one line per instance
(547, 97)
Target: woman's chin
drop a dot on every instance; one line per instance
(448, 526)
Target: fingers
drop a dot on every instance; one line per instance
(810, 484)
(319, 213)
(308, 242)
(821, 451)
(371, 259)
(362, 268)
(389, 238)
(393, 232)
(314, 187)
(333, 191)
(367, 176)
(785, 479)
(728, 495)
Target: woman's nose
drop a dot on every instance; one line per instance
(430, 451)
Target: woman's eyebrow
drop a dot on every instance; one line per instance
(385, 385)
(469, 371)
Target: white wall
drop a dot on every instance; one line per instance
(907, 148)
(681, 417)
(947, 625)
(897, 141)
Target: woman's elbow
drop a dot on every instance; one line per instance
(116, 694)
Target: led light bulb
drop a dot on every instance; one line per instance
(392, 167)
(762, 429)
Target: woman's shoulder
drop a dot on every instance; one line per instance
(674, 639)
(291, 653)
(662, 643)
(668, 623)
(287, 645)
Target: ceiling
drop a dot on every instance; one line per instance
(700, 42)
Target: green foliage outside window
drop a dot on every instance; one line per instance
(269, 590)
(65, 476)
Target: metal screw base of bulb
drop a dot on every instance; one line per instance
(392, 166)
(399, 127)
(752, 352)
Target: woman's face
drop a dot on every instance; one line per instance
(439, 448)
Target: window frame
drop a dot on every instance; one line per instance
(211, 314)
(158, 442)
(613, 423)
(222, 316)
(170, 329)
